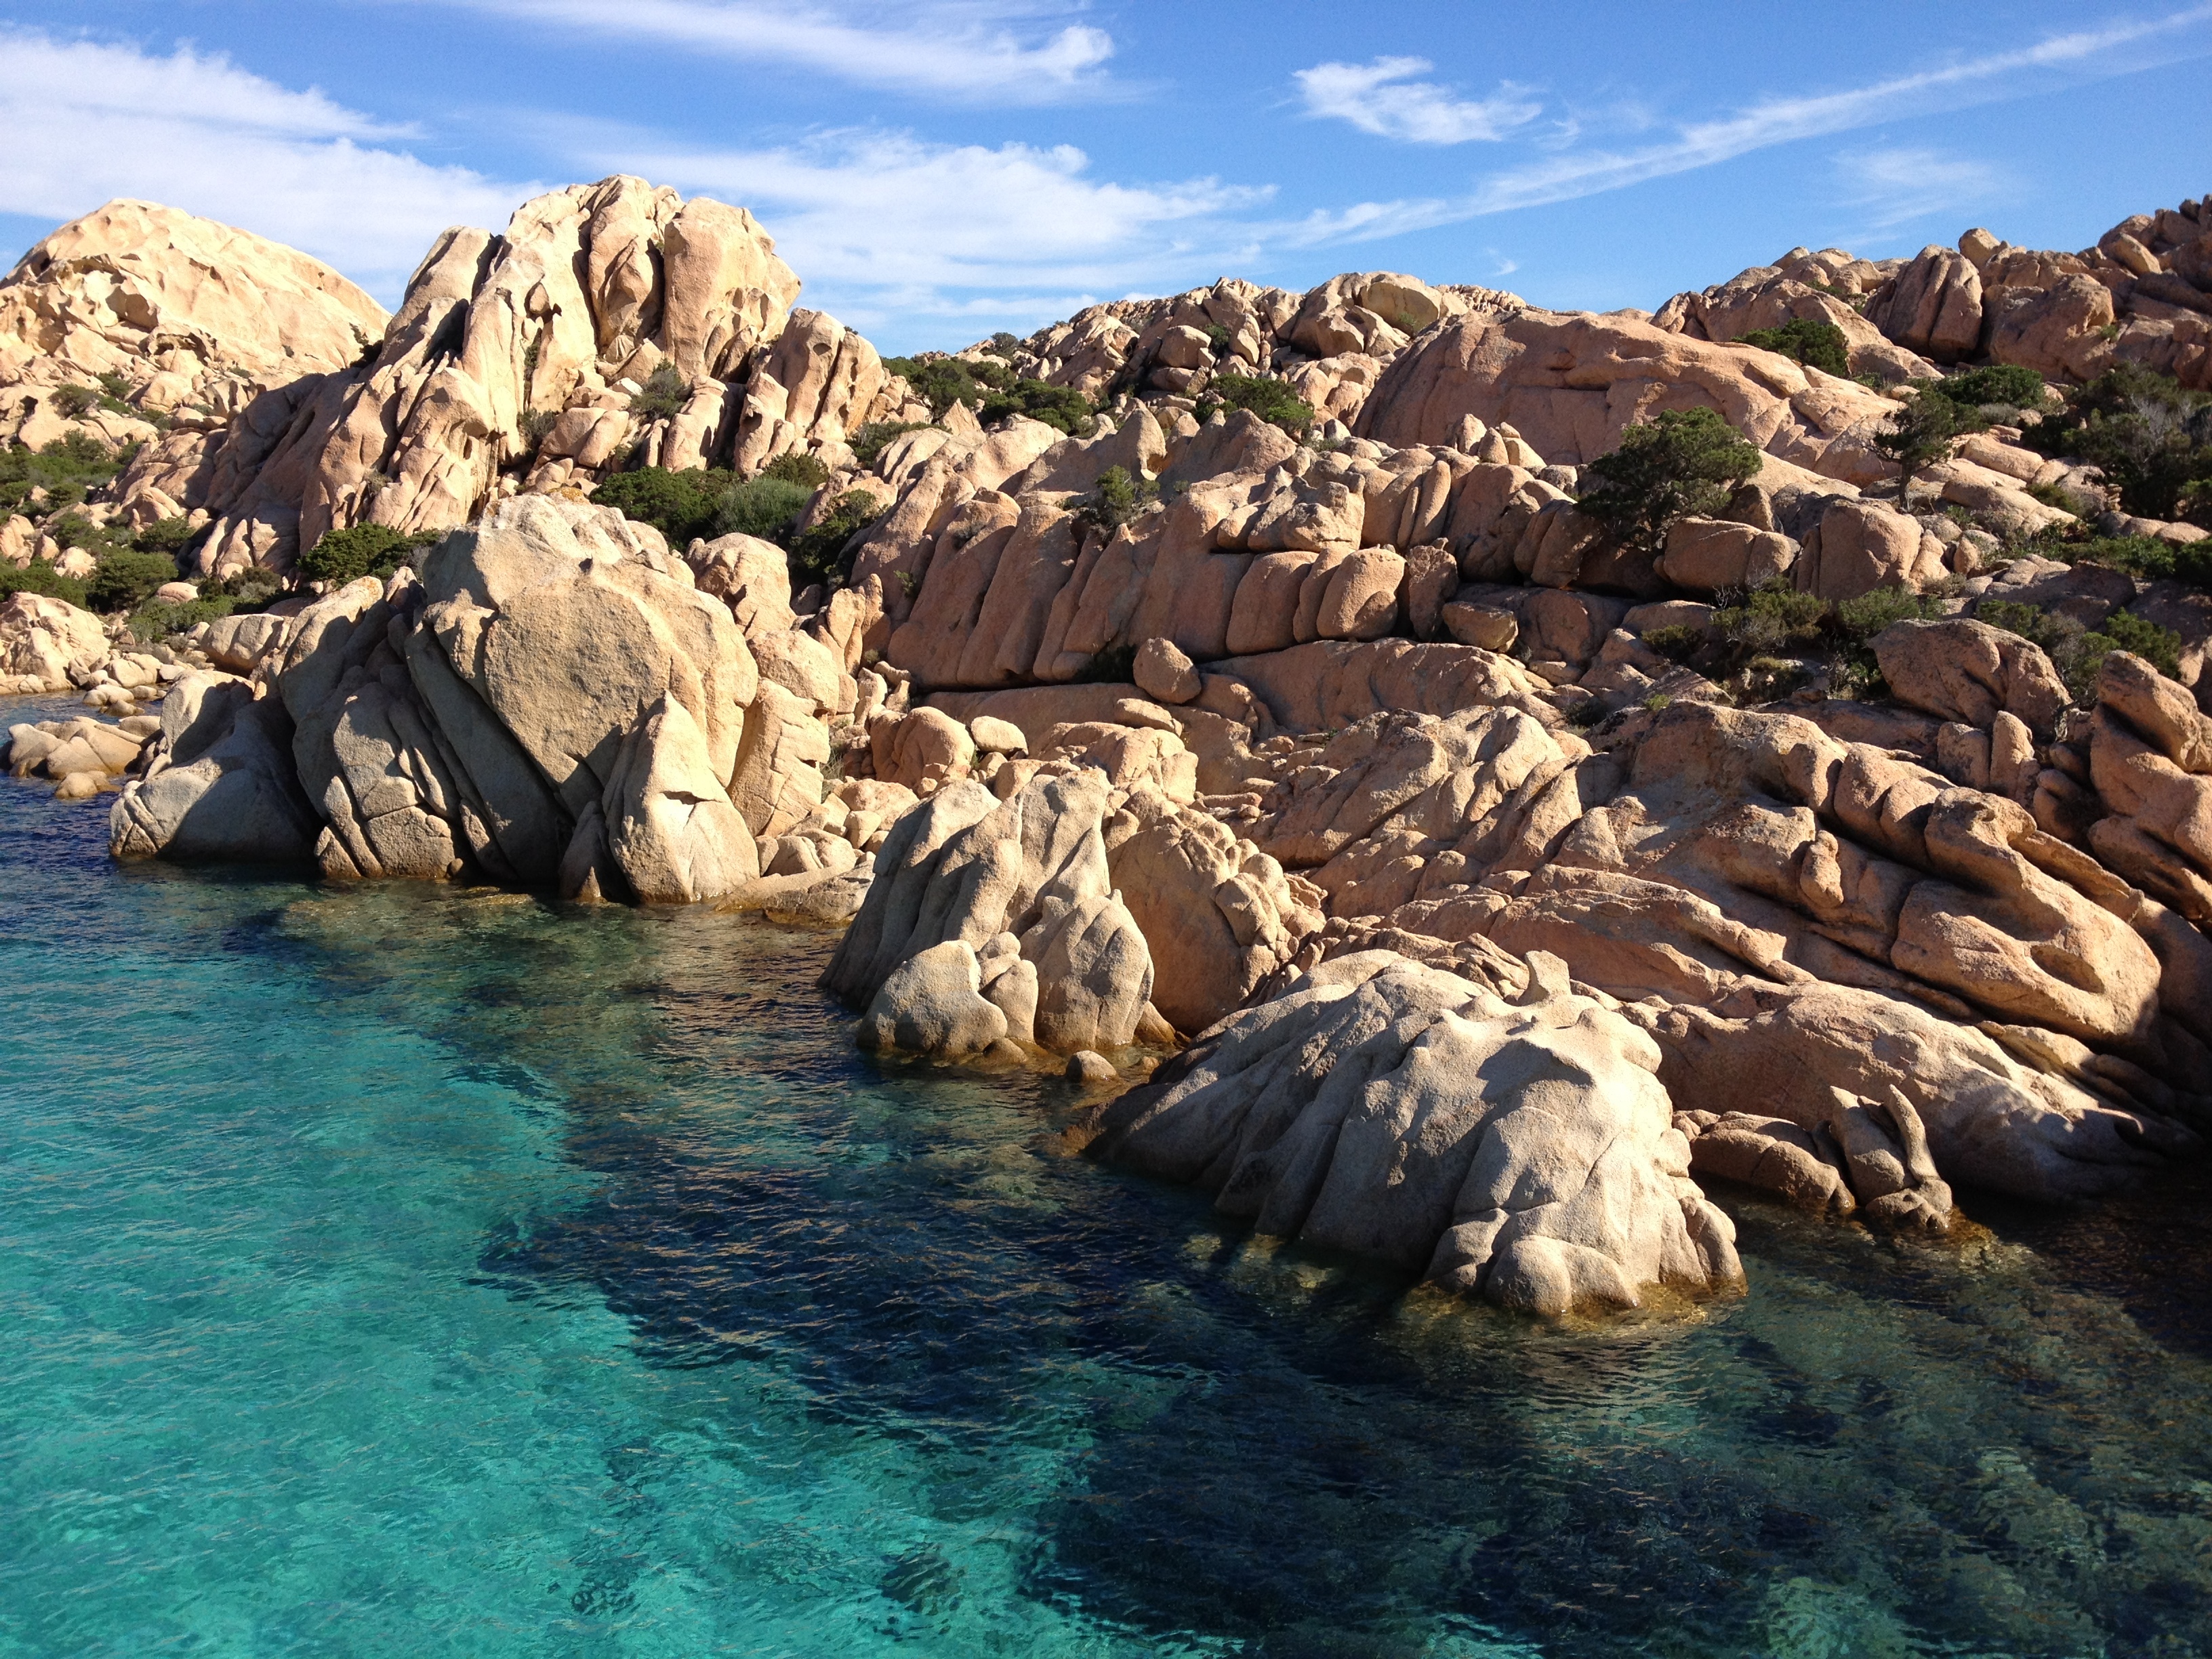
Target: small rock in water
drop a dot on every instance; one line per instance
(1091, 1069)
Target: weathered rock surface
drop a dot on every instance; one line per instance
(1524, 1152)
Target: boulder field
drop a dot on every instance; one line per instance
(1341, 809)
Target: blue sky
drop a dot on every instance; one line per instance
(938, 169)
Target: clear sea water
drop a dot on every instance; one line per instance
(411, 1270)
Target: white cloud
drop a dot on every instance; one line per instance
(2085, 54)
(1892, 187)
(84, 122)
(1383, 98)
(961, 51)
(884, 225)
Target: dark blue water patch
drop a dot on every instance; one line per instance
(412, 1267)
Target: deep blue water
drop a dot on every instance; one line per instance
(421, 1271)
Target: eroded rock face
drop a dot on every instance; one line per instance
(1522, 1152)
(963, 869)
(188, 311)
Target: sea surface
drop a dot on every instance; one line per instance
(437, 1272)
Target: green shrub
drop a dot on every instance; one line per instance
(2006, 384)
(531, 426)
(1678, 643)
(2077, 653)
(1815, 343)
(1005, 341)
(1061, 407)
(941, 382)
(1115, 499)
(681, 505)
(340, 557)
(1771, 618)
(1271, 400)
(1860, 619)
(817, 552)
(1678, 464)
(169, 536)
(71, 402)
(794, 467)
(40, 577)
(761, 507)
(251, 589)
(869, 443)
(1923, 433)
(664, 392)
(125, 576)
(156, 619)
(2151, 436)
(63, 469)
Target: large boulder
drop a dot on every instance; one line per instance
(1523, 1152)
(49, 641)
(219, 785)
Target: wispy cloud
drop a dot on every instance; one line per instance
(983, 49)
(1383, 98)
(1577, 173)
(1889, 188)
(83, 122)
(885, 226)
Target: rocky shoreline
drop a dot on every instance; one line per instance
(1424, 864)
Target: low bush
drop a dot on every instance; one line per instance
(2151, 436)
(869, 443)
(1115, 499)
(2077, 652)
(2006, 384)
(818, 551)
(340, 557)
(664, 392)
(795, 467)
(124, 577)
(170, 536)
(1679, 463)
(681, 505)
(63, 470)
(1059, 407)
(941, 382)
(157, 619)
(1815, 343)
(40, 577)
(762, 507)
(1271, 400)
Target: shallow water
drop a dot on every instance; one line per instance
(409, 1270)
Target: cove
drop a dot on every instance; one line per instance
(402, 1268)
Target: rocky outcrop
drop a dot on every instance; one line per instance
(190, 313)
(1522, 1151)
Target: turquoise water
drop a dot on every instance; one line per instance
(415, 1270)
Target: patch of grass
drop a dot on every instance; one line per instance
(1808, 340)
(1679, 463)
